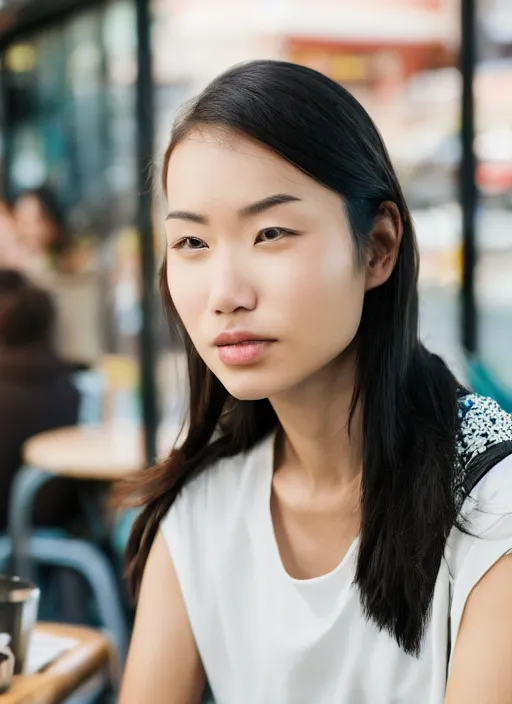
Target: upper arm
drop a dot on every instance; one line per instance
(163, 665)
(481, 670)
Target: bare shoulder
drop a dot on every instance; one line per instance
(481, 661)
(163, 664)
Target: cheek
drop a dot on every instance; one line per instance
(321, 293)
(189, 296)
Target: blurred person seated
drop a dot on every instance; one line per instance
(36, 393)
(10, 251)
(41, 230)
(66, 269)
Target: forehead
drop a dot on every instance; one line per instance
(210, 162)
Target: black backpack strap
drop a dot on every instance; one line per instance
(484, 462)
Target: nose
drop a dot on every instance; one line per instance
(231, 287)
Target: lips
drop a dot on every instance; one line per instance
(240, 348)
(239, 337)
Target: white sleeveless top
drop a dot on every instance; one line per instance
(266, 638)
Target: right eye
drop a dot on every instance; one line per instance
(189, 243)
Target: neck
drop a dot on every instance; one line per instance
(316, 443)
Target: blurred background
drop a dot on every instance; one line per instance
(70, 82)
(88, 93)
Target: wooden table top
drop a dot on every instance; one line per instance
(89, 656)
(107, 452)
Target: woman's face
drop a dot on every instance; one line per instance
(257, 248)
(35, 229)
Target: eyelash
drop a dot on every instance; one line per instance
(180, 244)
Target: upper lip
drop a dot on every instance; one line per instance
(236, 336)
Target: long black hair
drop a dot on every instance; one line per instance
(408, 396)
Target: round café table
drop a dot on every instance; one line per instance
(90, 454)
(107, 452)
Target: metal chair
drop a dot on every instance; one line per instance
(25, 545)
(92, 565)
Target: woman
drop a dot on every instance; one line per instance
(66, 269)
(311, 539)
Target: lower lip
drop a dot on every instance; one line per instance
(243, 352)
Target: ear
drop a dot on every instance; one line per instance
(384, 245)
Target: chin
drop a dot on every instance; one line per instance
(247, 392)
(248, 387)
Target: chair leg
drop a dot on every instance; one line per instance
(27, 483)
(88, 561)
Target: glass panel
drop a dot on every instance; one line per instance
(70, 124)
(24, 140)
(493, 95)
(87, 110)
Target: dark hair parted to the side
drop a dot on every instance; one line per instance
(408, 395)
(27, 313)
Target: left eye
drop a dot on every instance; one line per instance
(272, 233)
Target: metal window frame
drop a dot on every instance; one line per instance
(467, 178)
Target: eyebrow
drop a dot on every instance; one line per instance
(247, 211)
(265, 204)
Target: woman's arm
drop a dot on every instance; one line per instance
(481, 670)
(163, 665)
